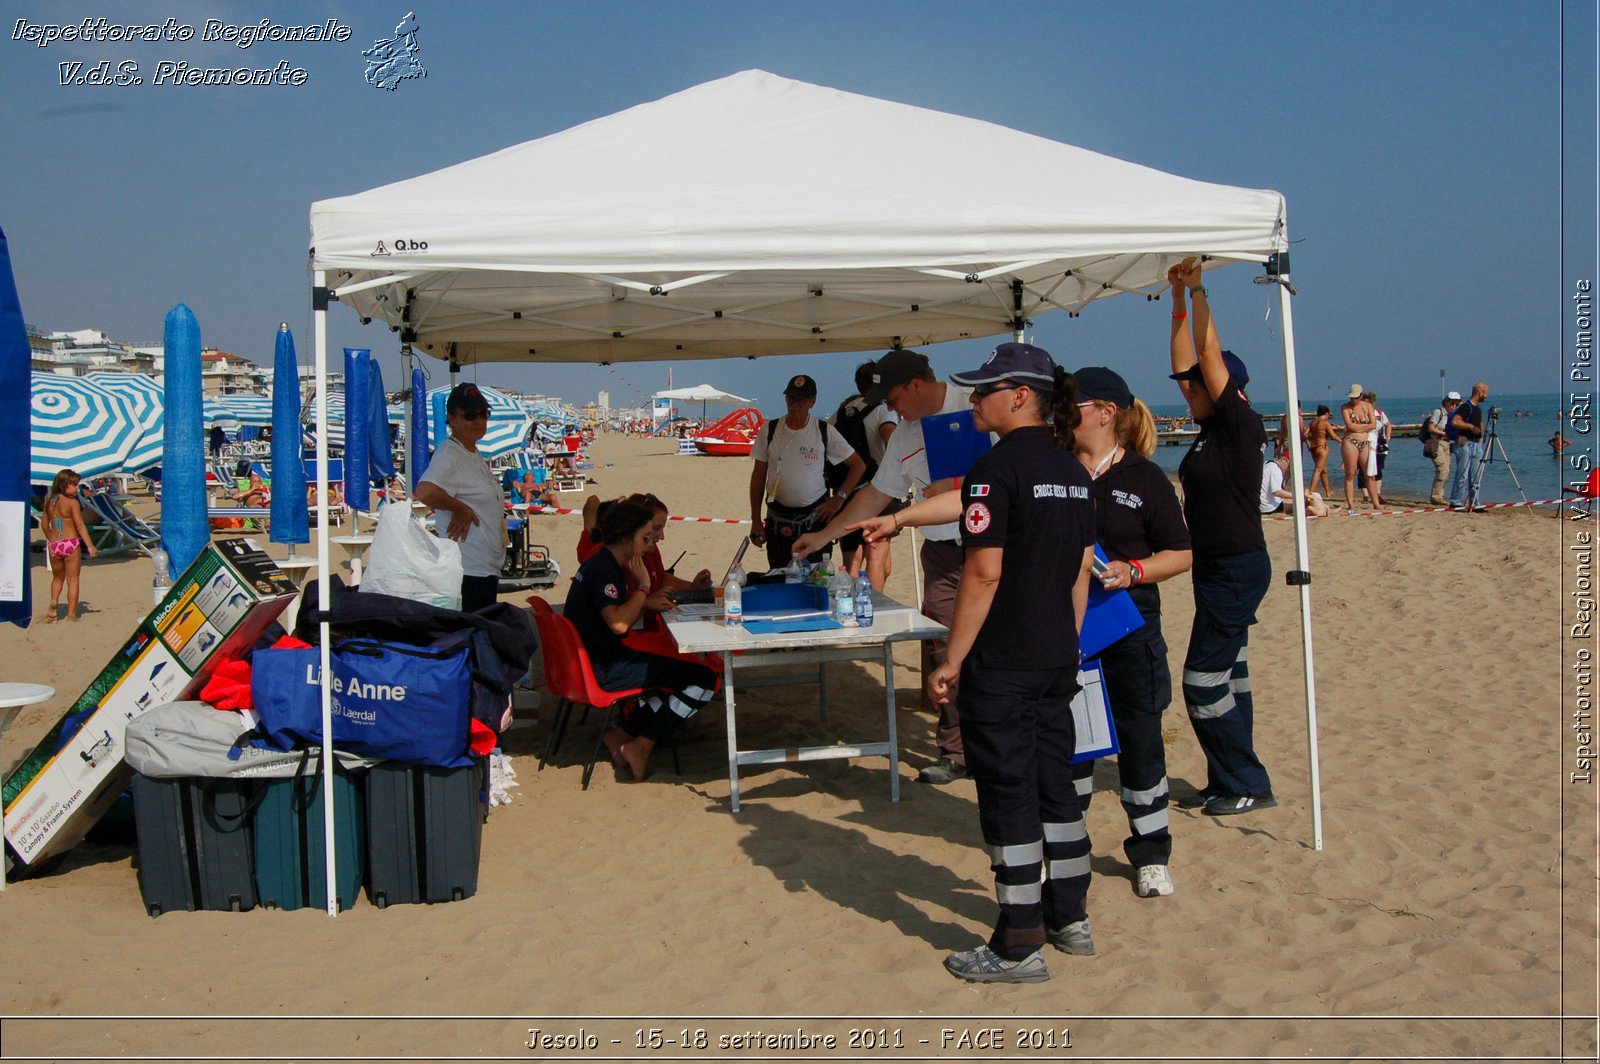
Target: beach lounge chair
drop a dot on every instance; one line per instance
(117, 528)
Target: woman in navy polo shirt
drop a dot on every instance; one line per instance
(609, 594)
(1140, 526)
(1028, 528)
(1221, 479)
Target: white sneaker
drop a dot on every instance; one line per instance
(1154, 881)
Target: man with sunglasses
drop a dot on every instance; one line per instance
(458, 484)
(905, 381)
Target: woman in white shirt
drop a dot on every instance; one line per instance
(458, 483)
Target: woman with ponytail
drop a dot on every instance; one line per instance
(1027, 523)
(1140, 527)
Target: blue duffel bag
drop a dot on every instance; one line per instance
(390, 700)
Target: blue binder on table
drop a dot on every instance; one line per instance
(953, 443)
(1109, 616)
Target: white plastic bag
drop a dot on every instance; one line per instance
(409, 562)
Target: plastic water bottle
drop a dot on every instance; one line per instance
(163, 578)
(792, 573)
(842, 596)
(733, 598)
(864, 600)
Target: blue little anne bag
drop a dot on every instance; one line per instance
(390, 700)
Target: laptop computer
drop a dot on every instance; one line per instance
(691, 595)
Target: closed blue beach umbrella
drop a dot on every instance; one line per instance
(78, 425)
(417, 463)
(357, 475)
(290, 519)
(380, 446)
(16, 360)
(184, 529)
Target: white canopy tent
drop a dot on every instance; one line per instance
(755, 215)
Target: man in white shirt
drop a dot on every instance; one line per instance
(791, 456)
(904, 381)
(867, 428)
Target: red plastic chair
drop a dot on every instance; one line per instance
(570, 677)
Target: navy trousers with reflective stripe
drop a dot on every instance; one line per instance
(680, 689)
(1017, 729)
(1139, 688)
(1216, 670)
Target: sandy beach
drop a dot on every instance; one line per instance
(1457, 882)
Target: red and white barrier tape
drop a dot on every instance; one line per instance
(691, 520)
(1336, 512)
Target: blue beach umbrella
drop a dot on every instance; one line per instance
(417, 463)
(290, 519)
(184, 529)
(246, 409)
(214, 413)
(78, 425)
(16, 360)
(380, 446)
(145, 396)
(508, 421)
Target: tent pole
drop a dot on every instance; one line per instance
(407, 360)
(319, 306)
(1302, 551)
(1017, 322)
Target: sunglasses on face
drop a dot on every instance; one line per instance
(482, 415)
(983, 391)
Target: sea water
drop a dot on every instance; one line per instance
(1407, 474)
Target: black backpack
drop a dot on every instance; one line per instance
(851, 422)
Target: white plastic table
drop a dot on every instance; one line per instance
(300, 568)
(13, 697)
(354, 548)
(892, 623)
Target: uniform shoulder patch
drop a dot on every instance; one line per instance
(977, 518)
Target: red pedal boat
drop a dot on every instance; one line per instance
(733, 436)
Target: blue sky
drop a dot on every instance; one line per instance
(1418, 145)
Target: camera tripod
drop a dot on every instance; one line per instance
(1491, 443)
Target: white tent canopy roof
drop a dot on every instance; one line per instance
(702, 393)
(756, 215)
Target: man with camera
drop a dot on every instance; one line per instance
(1465, 433)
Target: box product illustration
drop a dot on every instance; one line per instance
(219, 606)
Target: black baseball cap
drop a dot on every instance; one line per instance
(1105, 384)
(800, 387)
(465, 398)
(894, 369)
(1235, 365)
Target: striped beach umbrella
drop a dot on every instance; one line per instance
(508, 423)
(78, 425)
(220, 416)
(148, 400)
(247, 409)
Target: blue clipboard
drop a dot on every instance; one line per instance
(1109, 616)
(953, 443)
(1095, 732)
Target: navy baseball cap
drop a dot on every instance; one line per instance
(1020, 363)
(801, 387)
(1234, 363)
(465, 398)
(1104, 384)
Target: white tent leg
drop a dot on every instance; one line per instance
(1302, 555)
(319, 281)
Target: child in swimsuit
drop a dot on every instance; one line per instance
(61, 520)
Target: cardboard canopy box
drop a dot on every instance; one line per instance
(219, 606)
